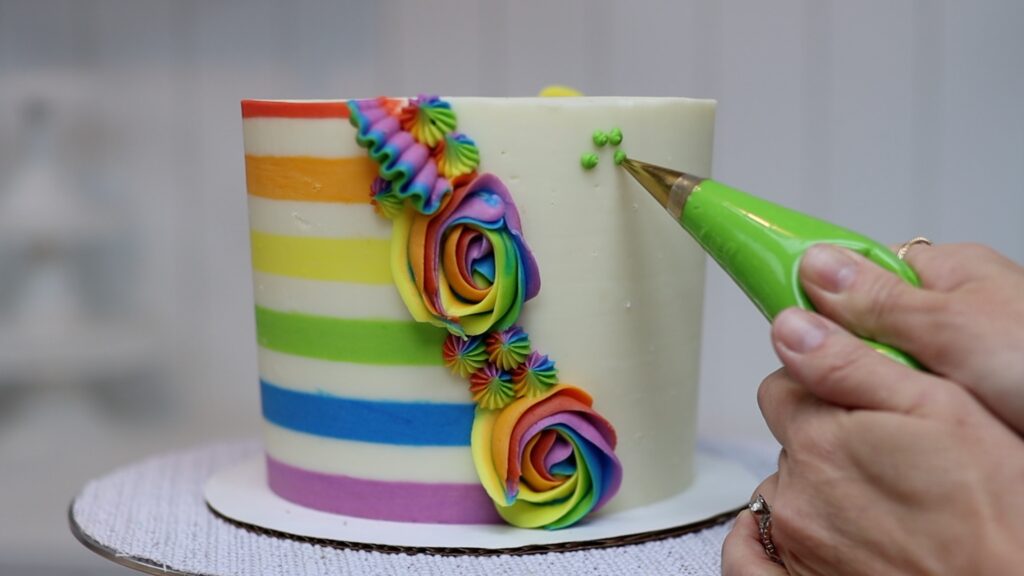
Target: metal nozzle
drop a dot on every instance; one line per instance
(670, 188)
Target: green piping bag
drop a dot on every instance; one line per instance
(758, 243)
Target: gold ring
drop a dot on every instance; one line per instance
(902, 252)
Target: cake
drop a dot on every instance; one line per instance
(467, 313)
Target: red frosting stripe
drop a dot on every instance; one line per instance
(283, 109)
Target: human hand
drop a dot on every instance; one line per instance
(884, 469)
(965, 323)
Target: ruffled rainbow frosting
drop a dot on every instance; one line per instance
(404, 162)
(460, 261)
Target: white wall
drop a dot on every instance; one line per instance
(896, 118)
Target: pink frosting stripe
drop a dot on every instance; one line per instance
(382, 500)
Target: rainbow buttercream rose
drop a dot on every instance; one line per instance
(459, 260)
(546, 461)
(467, 267)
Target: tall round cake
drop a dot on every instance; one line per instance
(467, 312)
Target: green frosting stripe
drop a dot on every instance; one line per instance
(361, 341)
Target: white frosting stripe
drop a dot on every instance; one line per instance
(314, 137)
(365, 381)
(324, 298)
(368, 460)
(322, 219)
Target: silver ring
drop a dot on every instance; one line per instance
(905, 247)
(763, 514)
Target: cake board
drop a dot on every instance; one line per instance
(152, 516)
(721, 487)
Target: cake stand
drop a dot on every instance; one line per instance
(152, 517)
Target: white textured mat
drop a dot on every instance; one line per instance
(153, 513)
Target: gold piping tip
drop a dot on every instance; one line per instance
(669, 187)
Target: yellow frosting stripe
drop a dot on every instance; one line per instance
(310, 179)
(359, 260)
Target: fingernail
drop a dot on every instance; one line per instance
(829, 267)
(799, 331)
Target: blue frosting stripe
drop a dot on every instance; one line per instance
(377, 421)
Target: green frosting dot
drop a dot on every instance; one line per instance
(615, 136)
(620, 157)
(600, 138)
(588, 161)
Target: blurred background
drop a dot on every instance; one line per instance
(126, 322)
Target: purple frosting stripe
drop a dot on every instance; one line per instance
(382, 500)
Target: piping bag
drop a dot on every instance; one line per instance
(759, 244)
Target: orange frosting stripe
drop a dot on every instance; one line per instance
(310, 179)
(281, 109)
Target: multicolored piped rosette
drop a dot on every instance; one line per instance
(459, 259)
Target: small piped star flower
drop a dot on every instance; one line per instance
(456, 154)
(492, 388)
(464, 356)
(384, 202)
(535, 376)
(428, 119)
(508, 348)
